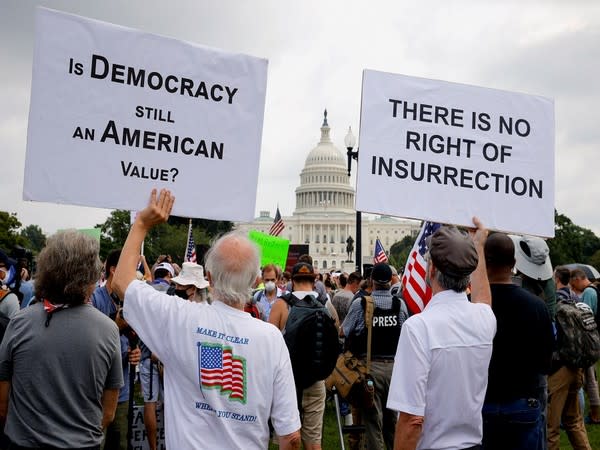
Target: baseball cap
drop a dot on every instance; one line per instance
(303, 270)
(167, 266)
(453, 252)
(381, 273)
(4, 259)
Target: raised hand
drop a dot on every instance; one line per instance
(158, 209)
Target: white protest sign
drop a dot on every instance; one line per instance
(446, 152)
(115, 112)
(139, 438)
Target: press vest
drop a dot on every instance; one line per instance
(385, 332)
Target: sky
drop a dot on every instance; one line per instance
(317, 51)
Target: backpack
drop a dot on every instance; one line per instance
(312, 340)
(578, 338)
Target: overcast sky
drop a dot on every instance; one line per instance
(317, 51)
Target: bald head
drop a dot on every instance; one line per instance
(233, 265)
(499, 254)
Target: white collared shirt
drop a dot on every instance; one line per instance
(441, 370)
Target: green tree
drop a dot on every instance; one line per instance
(168, 238)
(35, 239)
(571, 242)
(399, 252)
(9, 226)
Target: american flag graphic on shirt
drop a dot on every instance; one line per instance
(221, 369)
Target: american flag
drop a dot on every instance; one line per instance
(221, 369)
(379, 256)
(190, 253)
(416, 293)
(278, 225)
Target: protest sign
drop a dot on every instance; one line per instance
(115, 112)
(139, 438)
(273, 249)
(446, 152)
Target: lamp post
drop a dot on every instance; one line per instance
(350, 143)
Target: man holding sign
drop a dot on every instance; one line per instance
(226, 374)
(441, 366)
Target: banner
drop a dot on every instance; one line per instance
(139, 438)
(273, 249)
(446, 152)
(115, 112)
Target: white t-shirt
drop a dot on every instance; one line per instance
(441, 370)
(226, 373)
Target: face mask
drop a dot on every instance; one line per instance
(182, 293)
(270, 286)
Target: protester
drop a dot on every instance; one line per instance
(9, 302)
(564, 384)
(534, 273)
(582, 286)
(512, 417)
(205, 410)
(441, 368)
(60, 361)
(103, 300)
(266, 297)
(396, 283)
(151, 369)
(388, 316)
(313, 397)
(190, 284)
(343, 298)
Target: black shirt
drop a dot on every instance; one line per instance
(522, 346)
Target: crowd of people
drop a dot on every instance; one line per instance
(479, 368)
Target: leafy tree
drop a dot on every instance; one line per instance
(595, 260)
(9, 226)
(399, 251)
(571, 242)
(169, 238)
(35, 239)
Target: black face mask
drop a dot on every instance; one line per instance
(182, 293)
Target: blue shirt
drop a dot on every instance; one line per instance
(104, 303)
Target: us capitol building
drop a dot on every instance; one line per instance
(325, 217)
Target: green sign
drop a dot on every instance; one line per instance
(273, 249)
(93, 232)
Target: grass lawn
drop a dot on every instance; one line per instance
(331, 440)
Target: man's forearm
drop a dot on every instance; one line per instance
(130, 255)
(480, 285)
(408, 431)
(290, 441)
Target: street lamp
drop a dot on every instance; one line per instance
(350, 143)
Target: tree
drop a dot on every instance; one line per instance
(35, 239)
(168, 238)
(399, 252)
(9, 225)
(571, 243)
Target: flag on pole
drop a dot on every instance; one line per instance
(190, 253)
(278, 224)
(379, 256)
(416, 293)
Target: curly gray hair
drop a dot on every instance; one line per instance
(67, 268)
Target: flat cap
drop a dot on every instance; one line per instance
(453, 252)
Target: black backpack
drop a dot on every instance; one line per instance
(312, 340)
(578, 338)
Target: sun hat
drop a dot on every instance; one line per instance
(532, 257)
(191, 273)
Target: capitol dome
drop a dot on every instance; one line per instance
(324, 182)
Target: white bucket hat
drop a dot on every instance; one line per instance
(532, 257)
(191, 273)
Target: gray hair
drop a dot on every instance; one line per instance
(233, 263)
(67, 268)
(456, 284)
